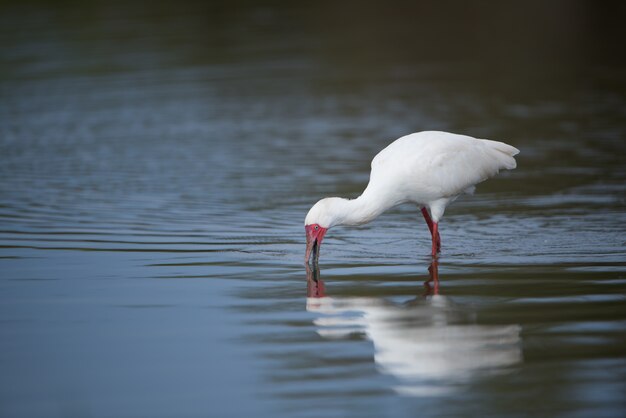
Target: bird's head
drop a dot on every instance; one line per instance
(322, 216)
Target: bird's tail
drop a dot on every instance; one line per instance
(504, 153)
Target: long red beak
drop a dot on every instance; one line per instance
(314, 236)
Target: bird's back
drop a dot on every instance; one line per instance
(431, 165)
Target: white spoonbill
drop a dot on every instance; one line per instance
(430, 169)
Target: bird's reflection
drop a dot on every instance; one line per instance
(429, 344)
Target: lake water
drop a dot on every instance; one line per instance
(157, 162)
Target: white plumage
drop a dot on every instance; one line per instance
(430, 169)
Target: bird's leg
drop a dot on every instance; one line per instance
(429, 221)
(432, 227)
(436, 239)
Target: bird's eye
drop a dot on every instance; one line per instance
(317, 227)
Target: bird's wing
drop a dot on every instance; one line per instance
(431, 165)
(461, 164)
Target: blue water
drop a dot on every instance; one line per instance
(156, 165)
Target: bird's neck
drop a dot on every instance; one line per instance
(362, 210)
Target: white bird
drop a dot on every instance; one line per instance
(429, 169)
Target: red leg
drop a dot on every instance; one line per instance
(436, 239)
(429, 221)
(434, 231)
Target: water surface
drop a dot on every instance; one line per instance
(157, 162)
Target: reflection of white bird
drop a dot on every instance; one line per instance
(429, 347)
(430, 169)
